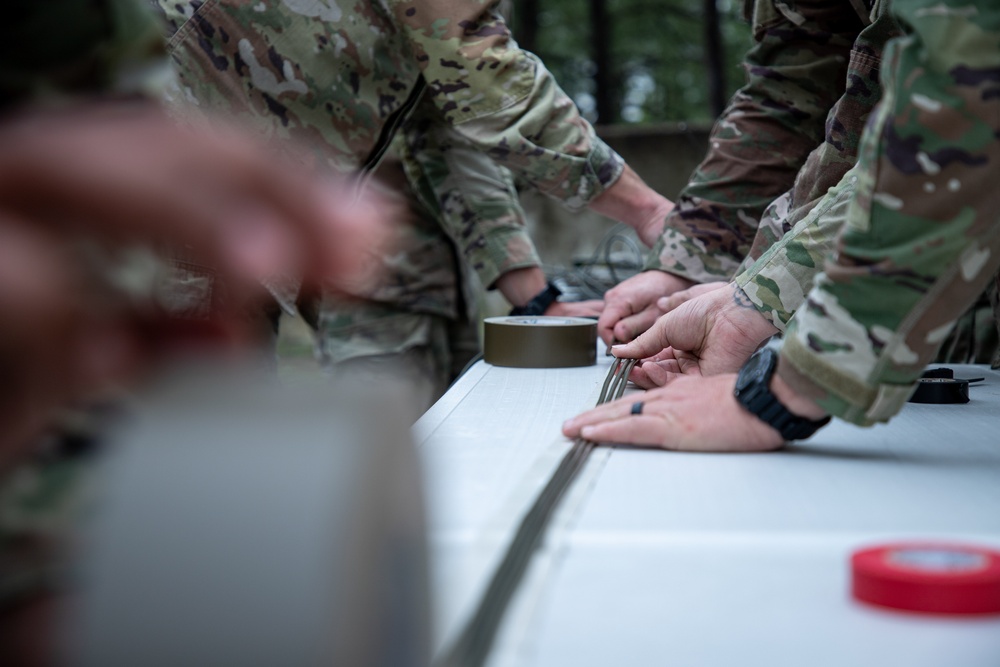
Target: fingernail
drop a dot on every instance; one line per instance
(587, 431)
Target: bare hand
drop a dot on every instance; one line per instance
(631, 306)
(79, 183)
(708, 335)
(575, 308)
(691, 414)
(63, 337)
(650, 229)
(667, 303)
(126, 173)
(631, 201)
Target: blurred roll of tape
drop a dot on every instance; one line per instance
(928, 577)
(246, 523)
(540, 342)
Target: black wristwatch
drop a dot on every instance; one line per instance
(539, 304)
(753, 392)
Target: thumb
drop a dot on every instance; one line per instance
(668, 303)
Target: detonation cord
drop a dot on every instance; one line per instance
(472, 646)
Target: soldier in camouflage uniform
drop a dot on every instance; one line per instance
(340, 77)
(705, 237)
(920, 242)
(787, 136)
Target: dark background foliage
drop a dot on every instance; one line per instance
(638, 61)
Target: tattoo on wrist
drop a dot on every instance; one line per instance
(741, 299)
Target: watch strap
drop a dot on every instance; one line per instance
(758, 399)
(539, 304)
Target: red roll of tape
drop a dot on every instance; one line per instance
(928, 577)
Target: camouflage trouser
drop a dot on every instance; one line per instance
(42, 501)
(371, 342)
(415, 326)
(922, 234)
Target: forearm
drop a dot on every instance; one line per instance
(634, 203)
(520, 286)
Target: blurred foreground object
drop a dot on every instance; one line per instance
(95, 196)
(247, 525)
(928, 577)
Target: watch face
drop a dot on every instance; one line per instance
(756, 369)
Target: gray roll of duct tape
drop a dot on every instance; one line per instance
(245, 523)
(540, 342)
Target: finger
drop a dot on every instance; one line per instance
(575, 308)
(650, 342)
(644, 430)
(640, 378)
(667, 303)
(614, 310)
(629, 327)
(665, 354)
(654, 374)
(613, 410)
(592, 308)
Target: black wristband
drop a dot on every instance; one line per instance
(753, 392)
(539, 304)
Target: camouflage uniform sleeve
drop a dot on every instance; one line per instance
(798, 231)
(777, 283)
(504, 101)
(474, 198)
(795, 73)
(923, 233)
(105, 47)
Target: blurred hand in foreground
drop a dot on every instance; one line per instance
(83, 188)
(124, 172)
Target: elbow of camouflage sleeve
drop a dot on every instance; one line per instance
(499, 250)
(688, 257)
(602, 169)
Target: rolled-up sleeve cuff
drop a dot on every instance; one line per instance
(500, 250)
(766, 296)
(686, 256)
(840, 394)
(599, 170)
